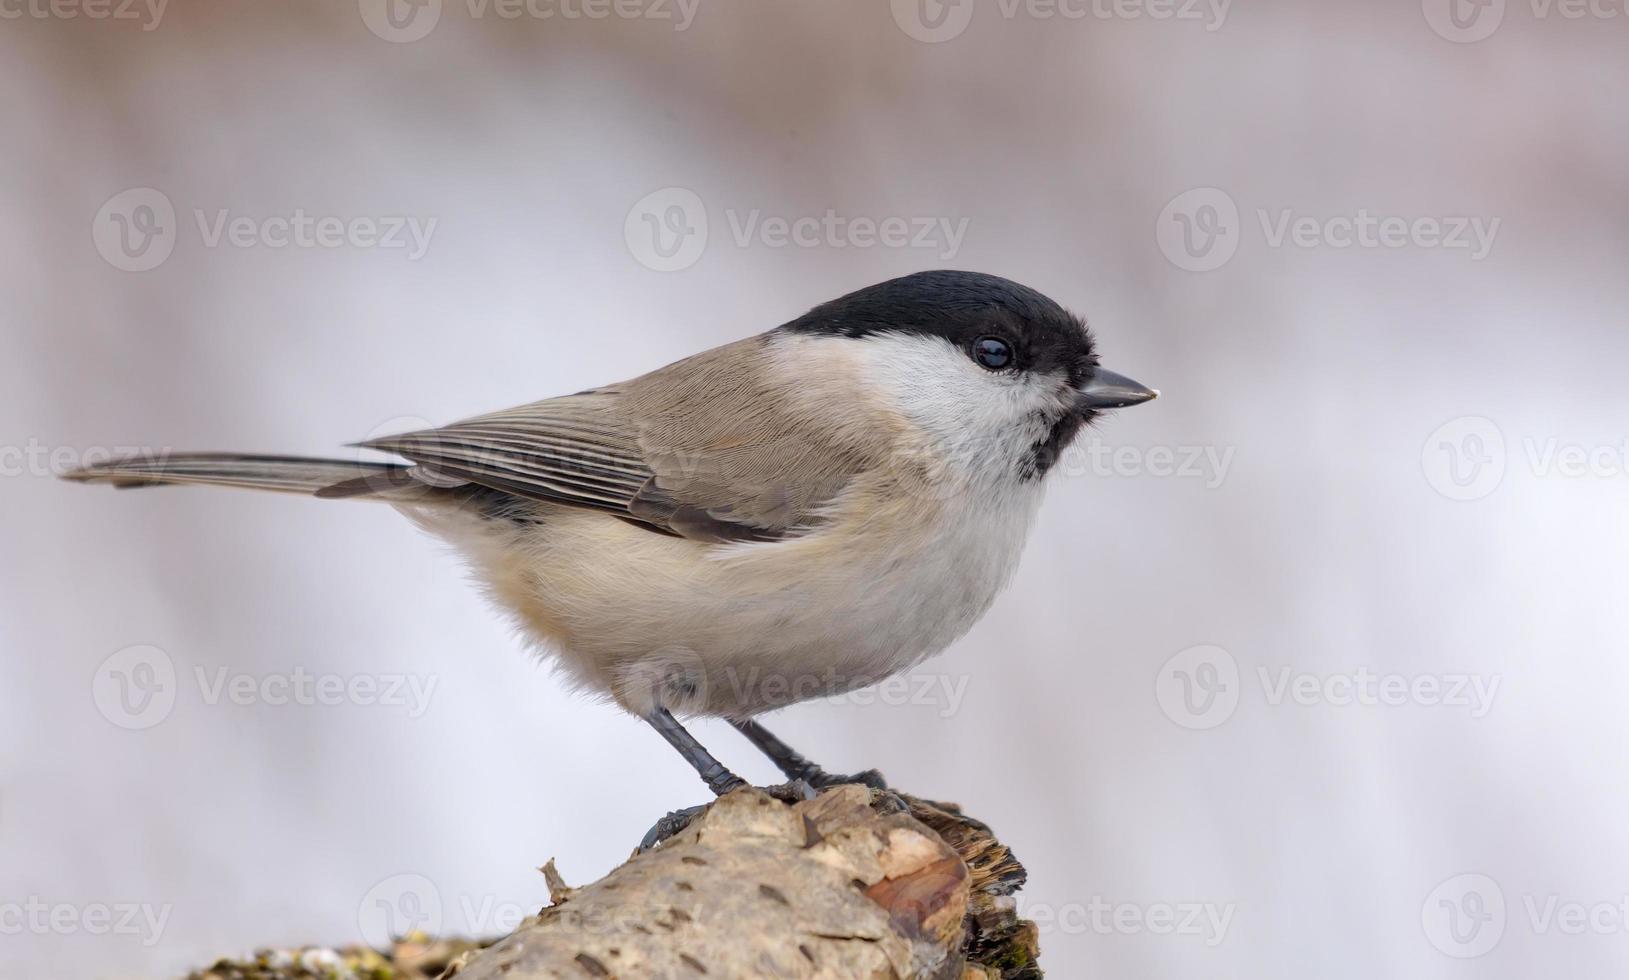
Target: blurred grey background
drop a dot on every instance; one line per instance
(1315, 667)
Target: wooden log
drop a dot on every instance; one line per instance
(852, 883)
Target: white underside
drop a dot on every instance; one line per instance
(647, 619)
(905, 563)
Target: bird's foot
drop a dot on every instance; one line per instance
(806, 787)
(671, 825)
(821, 779)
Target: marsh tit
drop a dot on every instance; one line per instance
(790, 516)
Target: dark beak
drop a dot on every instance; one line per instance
(1110, 390)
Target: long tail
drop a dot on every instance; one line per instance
(286, 474)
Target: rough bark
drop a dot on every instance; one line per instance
(852, 883)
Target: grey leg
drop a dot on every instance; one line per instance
(795, 766)
(718, 779)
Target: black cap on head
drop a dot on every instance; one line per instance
(962, 307)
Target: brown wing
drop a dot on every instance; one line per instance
(705, 448)
(570, 450)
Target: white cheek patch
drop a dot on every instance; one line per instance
(952, 400)
(974, 425)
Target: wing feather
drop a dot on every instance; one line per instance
(702, 449)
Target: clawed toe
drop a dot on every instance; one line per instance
(672, 824)
(803, 788)
(869, 777)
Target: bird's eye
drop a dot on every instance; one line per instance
(992, 352)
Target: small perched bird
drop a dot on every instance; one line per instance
(790, 516)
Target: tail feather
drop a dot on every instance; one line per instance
(286, 474)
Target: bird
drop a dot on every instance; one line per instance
(793, 515)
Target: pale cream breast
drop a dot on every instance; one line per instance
(895, 568)
(733, 630)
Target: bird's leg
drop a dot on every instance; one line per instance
(718, 779)
(795, 766)
(787, 759)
